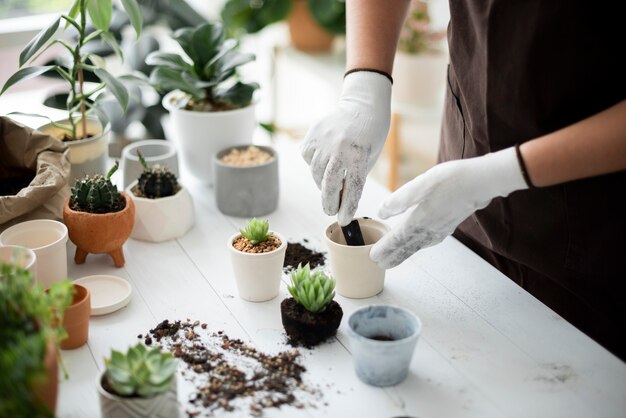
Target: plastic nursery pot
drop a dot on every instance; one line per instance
(356, 274)
(76, 319)
(20, 256)
(382, 342)
(164, 405)
(103, 233)
(257, 275)
(199, 135)
(88, 156)
(246, 191)
(47, 239)
(155, 151)
(164, 218)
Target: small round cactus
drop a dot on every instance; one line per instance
(313, 290)
(256, 231)
(96, 194)
(156, 181)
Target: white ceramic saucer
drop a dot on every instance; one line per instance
(108, 293)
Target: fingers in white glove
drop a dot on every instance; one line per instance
(410, 194)
(318, 166)
(331, 186)
(352, 190)
(308, 150)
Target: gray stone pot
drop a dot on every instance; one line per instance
(246, 191)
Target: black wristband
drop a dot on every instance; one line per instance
(371, 70)
(522, 166)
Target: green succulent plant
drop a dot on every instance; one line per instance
(156, 181)
(208, 72)
(96, 194)
(256, 231)
(140, 372)
(314, 290)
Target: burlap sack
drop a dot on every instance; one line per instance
(22, 151)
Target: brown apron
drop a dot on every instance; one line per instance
(519, 70)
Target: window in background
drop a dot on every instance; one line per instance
(17, 8)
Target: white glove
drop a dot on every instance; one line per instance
(443, 197)
(346, 143)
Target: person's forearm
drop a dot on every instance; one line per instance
(591, 147)
(373, 28)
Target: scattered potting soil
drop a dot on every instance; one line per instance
(228, 374)
(299, 254)
(308, 329)
(248, 157)
(244, 245)
(12, 185)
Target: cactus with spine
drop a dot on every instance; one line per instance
(314, 290)
(156, 181)
(256, 231)
(96, 194)
(140, 372)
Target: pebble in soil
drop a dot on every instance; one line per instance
(298, 253)
(228, 374)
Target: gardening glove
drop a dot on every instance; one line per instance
(442, 198)
(343, 146)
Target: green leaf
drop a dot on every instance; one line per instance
(184, 38)
(100, 13)
(206, 40)
(134, 13)
(110, 40)
(232, 60)
(26, 74)
(167, 59)
(73, 13)
(239, 95)
(168, 79)
(38, 41)
(329, 14)
(114, 85)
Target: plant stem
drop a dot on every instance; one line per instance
(81, 79)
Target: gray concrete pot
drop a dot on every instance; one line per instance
(246, 191)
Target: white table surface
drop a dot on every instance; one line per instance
(488, 348)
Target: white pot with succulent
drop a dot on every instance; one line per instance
(140, 383)
(209, 110)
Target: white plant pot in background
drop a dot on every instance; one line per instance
(48, 240)
(199, 135)
(162, 219)
(258, 275)
(357, 276)
(155, 151)
(419, 79)
(20, 256)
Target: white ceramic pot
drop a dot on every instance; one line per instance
(47, 238)
(21, 256)
(258, 275)
(162, 219)
(155, 151)
(419, 79)
(87, 156)
(199, 135)
(356, 274)
(164, 405)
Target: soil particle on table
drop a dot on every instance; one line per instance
(244, 245)
(299, 254)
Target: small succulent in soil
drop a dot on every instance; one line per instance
(140, 372)
(313, 290)
(96, 194)
(156, 181)
(256, 231)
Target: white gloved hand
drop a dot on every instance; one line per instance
(443, 197)
(346, 143)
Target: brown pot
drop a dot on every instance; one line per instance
(76, 319)
(98, 233)
(306, 34)
(47, 392)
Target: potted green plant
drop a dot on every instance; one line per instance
(163, 206)
(311, 315)
(257, 256)
(209, 107)
(85, 130)
(29, 339)
(99, 219)
(139, 383)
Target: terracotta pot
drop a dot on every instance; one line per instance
(76, 319)
(100, 233)
(47, 392)
(306, 34)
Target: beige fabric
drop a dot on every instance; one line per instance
(23, 149)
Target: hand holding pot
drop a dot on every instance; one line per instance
(346, 143)
(443, 197)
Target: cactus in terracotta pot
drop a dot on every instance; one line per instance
(96, 194)
(155, 181)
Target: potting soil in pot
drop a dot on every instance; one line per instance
(299, 254)
(306, 328)
(248, 157)
(229, 375)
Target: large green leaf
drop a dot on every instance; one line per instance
(184, 37)
(26, 74)
(134, 13)
(239, 95)
(168, 79)
(73, 13)
(206, 41)
(110, 40)
(167, 59)
(100, 13)
(232, 60)
(114, 85)
(330, 14)
(38, 41)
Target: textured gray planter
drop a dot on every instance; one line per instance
(383, 363)
(246, 191)
(155, 151)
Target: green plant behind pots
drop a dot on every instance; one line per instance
(29, 315)
(140, 372)
(96, 194)
(256, 231)
(156, 181)
(78, 103)
(208, 72)
(313, 290)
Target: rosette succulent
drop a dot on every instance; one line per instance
(314, 290)
(96, 194)
(256, 231)
(156, 181)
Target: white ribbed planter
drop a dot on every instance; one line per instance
(199, 135)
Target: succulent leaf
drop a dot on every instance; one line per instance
(313, 290)
(156, 181)
(96, 194)
(256, 231)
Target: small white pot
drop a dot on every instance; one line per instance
(419, 79)
(155, 151)
(47, 239)
(356, 274)
(162, 219)
(164, 405)
(258, 275)
(21, 256)
(199, 135)
(87, 156)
